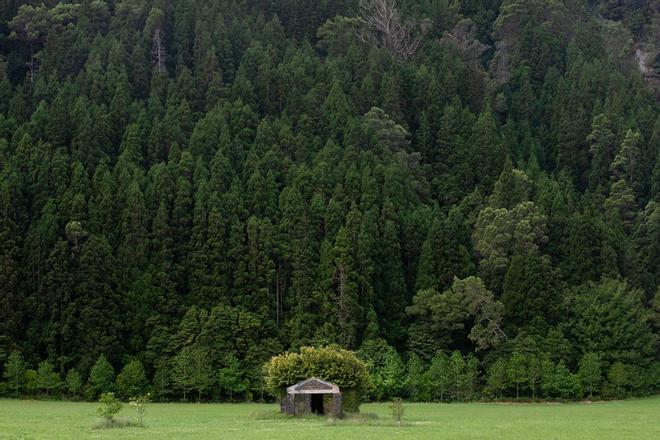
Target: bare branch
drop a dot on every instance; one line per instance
(382, 26)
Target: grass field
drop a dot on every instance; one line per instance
(632, 419)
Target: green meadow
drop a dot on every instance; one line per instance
(631, 419)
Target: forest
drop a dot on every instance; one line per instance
(465, 193)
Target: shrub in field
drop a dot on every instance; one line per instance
(341, 367)
(139, 403)
(397, 410)
(110, 407)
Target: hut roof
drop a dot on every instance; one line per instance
(313, 386)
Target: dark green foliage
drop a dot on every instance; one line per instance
(609, 319)
(203, 185)
(131, 381)
(101, 377)
(48, 380)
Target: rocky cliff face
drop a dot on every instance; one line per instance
(649, 65)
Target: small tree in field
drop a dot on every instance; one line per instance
(161, 380)
(182, 371)
(48, 380)
(74, 383)
(110, 406)
(131, 381)
(102, 376)
(497, 378)
(192, 370)
(590, 372)
(438, 376)
(15, 372)
(229, 377)
(534, 373)
(139, 403)
(518, 371)
(202, 374)
(397, 410)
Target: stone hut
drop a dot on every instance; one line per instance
(312, 396)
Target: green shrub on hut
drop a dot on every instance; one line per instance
(341, 367)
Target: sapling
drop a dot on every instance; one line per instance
(397, 410)
(110, 406)
(140, 405)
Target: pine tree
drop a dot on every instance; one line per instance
(601, 147)
(131, 381)
(74, 383)
(14, 372)
(457, 375)
(498, 379)
(517, 371)
(590, 371)
(229, 377)
(101, 376)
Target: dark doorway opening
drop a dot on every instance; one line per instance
(317, 404)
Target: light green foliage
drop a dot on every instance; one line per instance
(230, 379)
(48, 380)
(497, 378)
(14, 372)
(398, 410)
(110, 406)
(457, 375)
(534, 373)
(618, 379)
(606, 421)
(512, 188)
(437, 378)
(566, 384)
(590, 372)
(31, 379)
(191, 370)
(385, 368)
(341, 367)
(139, 403)
(517, 371)
(414, 374)
(392, 376)
(74, 383)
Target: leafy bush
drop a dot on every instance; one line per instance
(139, 403)
(397, 410)
(110, 406)
(341, 367)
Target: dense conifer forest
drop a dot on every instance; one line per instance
(469, 197)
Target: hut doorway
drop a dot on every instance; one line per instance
(312, 396)
(317, 404)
